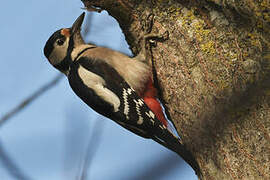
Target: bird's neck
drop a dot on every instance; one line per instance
(79, 50)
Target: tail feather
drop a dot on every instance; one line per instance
(172, 142)
(167, 137)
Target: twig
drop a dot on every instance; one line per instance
(10, 165)
(30, 99)
(91, 149)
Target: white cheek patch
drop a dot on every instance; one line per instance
(96, 83)
(59, 52)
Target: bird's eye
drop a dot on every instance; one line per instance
(60, 42)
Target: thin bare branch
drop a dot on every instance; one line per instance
(91, 150)
(11, 167)
(30, 99)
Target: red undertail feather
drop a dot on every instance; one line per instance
(150, 98)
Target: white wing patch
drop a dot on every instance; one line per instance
(96, 83)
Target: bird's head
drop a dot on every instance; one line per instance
(59, 46)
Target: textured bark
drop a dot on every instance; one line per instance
(214, 73)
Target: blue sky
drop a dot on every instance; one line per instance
(48, 139)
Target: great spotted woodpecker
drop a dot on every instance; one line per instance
(114, 85)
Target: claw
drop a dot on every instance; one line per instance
(150, 39)
(149, 23)
(153, 38)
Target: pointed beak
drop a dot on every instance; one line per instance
(76, 27)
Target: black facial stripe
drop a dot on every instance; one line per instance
(83, 52)
(70, 45)
(64, 65)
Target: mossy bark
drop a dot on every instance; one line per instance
(214, 73)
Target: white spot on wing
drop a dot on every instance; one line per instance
(129, 91)
(139, 103)
(150, 114)
(126, 105)
(96, 83)
(140, 121)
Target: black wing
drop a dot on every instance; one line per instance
(133, 114)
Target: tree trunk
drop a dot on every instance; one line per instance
(214, 73)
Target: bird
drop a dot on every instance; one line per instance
(114, 85)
